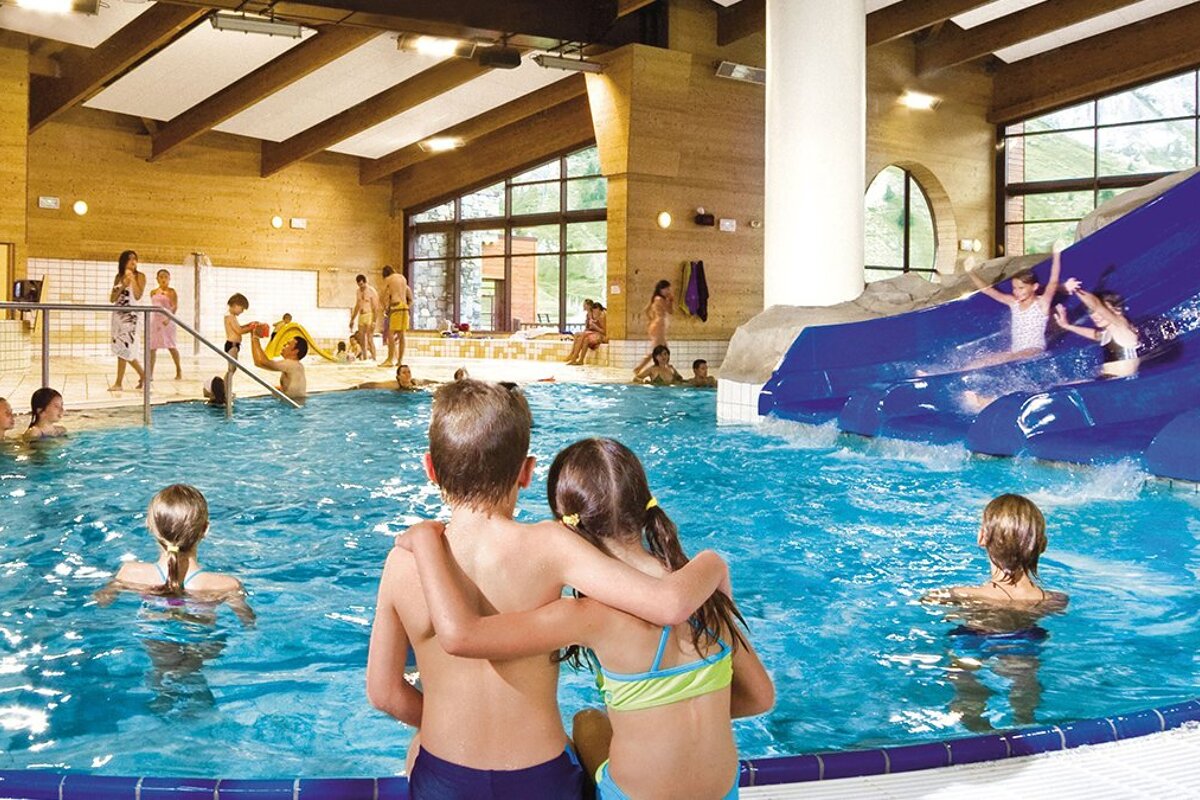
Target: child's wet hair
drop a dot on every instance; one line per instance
(599, 486)
(239, 299)
(658, 351)
(1113, 300)
(177, 519)
(698, 363)
(1026, 277)
(478, 441)
(1014, 533)
(39, 402)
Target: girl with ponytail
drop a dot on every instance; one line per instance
(178, 521)
(671, 691)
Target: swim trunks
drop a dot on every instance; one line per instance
(233, 347)
(977, 642)
(434, 778)
(398, 318)
(366, 320)
(607, 789)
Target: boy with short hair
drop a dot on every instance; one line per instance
(491, 729)
(700, 376)
(234, 329)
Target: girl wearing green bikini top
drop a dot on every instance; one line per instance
(670, 692)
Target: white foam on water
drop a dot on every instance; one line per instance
(801, 435)
(933, 457)
(1122, 481)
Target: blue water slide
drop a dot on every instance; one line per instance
(1150, 256)
(1173, 452)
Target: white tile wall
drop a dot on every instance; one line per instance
(737, 403)
(16, 354)
(627, 353)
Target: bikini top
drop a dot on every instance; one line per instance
(177, 602)
(660, 687)
(1116, 352)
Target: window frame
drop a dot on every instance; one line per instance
(910, 180)
(454, 228)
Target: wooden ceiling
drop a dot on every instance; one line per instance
(1044, 55)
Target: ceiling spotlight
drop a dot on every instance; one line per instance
(435, 46)
(60, 6)
(247, 23)
(440, 144)
(572, 64)
(919, 101)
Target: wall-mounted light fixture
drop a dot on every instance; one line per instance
(970, 245)
(440, 144)
(80, 207)
(276, 222)
(571, 64)
(919, 101)
(664, 219)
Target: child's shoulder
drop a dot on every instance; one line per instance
(215, 582)
(140, 573)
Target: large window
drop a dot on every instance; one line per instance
(525, 251)
(1060, 166)
(901, 236)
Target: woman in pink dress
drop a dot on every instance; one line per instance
(162, 329)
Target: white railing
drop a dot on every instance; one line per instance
(145, 311)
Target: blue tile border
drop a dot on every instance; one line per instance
(46, 785)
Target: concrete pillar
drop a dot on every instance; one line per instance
(815, 151)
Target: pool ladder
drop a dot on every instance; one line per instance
(145, 311)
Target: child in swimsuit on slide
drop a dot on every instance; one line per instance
(1030, 311)
(175, 584)
(1000, 616)
(670, 690)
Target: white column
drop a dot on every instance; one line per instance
(816, 151)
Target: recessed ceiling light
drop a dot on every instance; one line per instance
(440, 144)
(919, 101)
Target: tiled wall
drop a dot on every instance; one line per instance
(15, 350)
(626, 354)
(271, 292)
(620, 354)
(737, 403)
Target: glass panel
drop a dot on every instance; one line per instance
(587, 193)
(487, 202)
(431, 245)
(542, 292)
(432, 295)
(1080, 116)
(885, 219)
(546, 172)
(873, 274)
(1104, 195)
(436, 214)
(1150, 147)
(477, 296)
(1174, 97)
(587, 274)
(1039, 237)
(535, 239)
(587, 236)
(485, 243)
(536, 198)
(1053, 156)
(584, 162)
(1059, 205)
(922, 234)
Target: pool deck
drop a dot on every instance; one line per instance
(84, 382)
(1163, 765)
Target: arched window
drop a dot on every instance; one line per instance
(901, 236)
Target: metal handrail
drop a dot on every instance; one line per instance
(145, 311)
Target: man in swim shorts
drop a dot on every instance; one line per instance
(398, 300)
(364, 315)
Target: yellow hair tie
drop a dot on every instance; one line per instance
(651, 503)
(172, 548)
(570, 519)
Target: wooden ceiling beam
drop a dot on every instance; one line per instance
(958, 46)
(85, 75)
(625, 7)
(327, 46)
(426, 85)
(740, 20)
(372, 170)
(1153, 48)
(910, 16)
(514, 147)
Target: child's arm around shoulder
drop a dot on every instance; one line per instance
(387, 689)
(667, 601)
(753, 691)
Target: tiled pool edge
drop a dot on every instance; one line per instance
(47, 785)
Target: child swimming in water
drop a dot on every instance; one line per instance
(46, 409)
(175, 582)
(669, 734)
(660, 371)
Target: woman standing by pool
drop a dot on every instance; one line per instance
(127, 287)
(658, 311)
(162, 328)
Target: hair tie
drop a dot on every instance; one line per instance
(652, 503)
(172, 548)
(570, 519)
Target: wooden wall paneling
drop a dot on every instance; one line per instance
(405, 95)
(507, 150)
(377, 169)
(956, 46)
(14, 137)
(82, 77)
(327, 46)
(208, 198)
(740, 20)
(1152, 48)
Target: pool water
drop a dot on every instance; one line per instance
(832, 541)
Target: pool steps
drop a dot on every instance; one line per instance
(46, 785)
